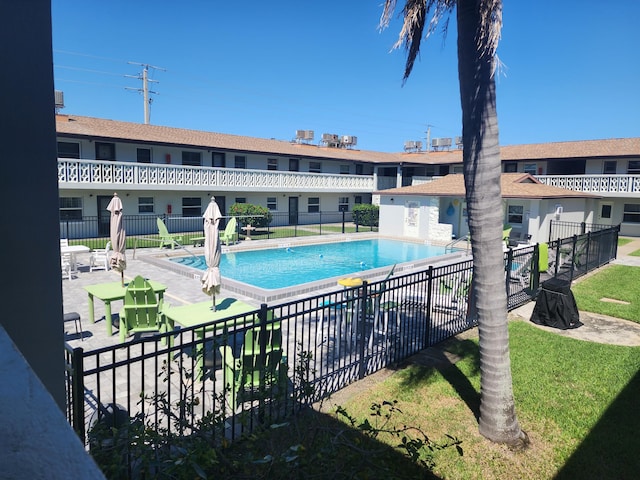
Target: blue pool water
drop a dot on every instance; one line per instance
(286, 267)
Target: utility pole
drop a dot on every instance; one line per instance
(144, 76)
(428, 132)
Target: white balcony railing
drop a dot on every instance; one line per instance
(94, 174)
(602, 184)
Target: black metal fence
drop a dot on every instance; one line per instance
(93, 231)
(577, 255)
(269, 363)
(558, 229)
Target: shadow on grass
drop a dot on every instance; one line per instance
(443, 358)
(324, 448)
(612, 448)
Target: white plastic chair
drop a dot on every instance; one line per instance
(66, 265)
(64, 242)
(100, 259)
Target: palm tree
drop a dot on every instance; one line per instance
(479, 23)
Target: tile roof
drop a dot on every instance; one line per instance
(91, 127)
(513, 185)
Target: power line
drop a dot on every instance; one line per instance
(144, 76)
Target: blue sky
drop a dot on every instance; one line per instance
(267, 69)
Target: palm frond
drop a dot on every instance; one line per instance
(415, 14)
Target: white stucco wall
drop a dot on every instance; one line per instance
(394, 217)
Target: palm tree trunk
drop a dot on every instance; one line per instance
(482, 170)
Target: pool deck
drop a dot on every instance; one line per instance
(183, 284)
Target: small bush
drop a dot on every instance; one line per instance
(262, 217)
(366, 215)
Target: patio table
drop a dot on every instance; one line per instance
(109, 292)
(72, 250)
(201, 313)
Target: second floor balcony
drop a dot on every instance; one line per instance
(98, 174)
(606, 185)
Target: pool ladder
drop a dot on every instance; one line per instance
(450, 247)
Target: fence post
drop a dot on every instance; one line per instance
(357, 221)
(360, 335)
(343, 221)
(508, 269)
(262, 356)
(573, 257)
(535, 276)
(77, 392)
(583, 228)
(320, 222)
(427, 330)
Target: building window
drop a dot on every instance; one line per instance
(294, 165)
(315, 167)
(105, 151)
(145, 205)
(357, 199)
(191, 207)
(609, 167)
(313, 205)
(515, 214)
(272, 203)
(218, 159)
(631, 212)
(70, 209)
(193, 159)
(143, 155)
(634, 167)
(605, 211)
(359, 170)
(510, 167)
(344, 169)
(272, 164)
(343, 204)
(68, 150)
(241, 200)
(443, 170)
(530, 168)
(458, 169)
(240, 161)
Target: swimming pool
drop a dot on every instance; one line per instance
(272, 269)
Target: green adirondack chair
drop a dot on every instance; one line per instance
(168, 239)
(142, 310)
(252, 375)
(230, 233)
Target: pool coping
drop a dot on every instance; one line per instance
(163, 260)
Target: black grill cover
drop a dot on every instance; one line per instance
(555, 306)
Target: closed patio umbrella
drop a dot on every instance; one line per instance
(118, 237)
(211, 277)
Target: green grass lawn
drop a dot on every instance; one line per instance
(575, 400)
(613, 291)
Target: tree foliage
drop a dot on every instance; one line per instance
(249, 214)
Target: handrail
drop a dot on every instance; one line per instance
(451, 245)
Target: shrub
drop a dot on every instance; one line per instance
(262, 217)
(366, 214)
